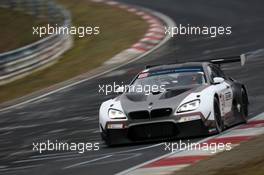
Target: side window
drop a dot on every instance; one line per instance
(215, 72)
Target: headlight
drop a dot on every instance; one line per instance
(190, 106)
(116, 114)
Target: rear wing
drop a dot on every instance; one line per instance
(218, 61)
(232, 59)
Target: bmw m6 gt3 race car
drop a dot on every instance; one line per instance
(192, 99)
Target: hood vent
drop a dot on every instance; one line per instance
(136, 97)
(173, 93)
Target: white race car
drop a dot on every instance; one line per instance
(189, 99)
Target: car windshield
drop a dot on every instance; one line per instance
(171, 79)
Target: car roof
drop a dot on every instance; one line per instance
(173, 66)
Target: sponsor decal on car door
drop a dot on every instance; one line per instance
(226, 97)
(227, 94)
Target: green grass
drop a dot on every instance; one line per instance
(118, 31)
(16, 29)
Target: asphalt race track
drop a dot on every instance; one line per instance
(71, 114)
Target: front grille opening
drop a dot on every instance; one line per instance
(155, 113)
(152, 131)
(139, 115)
(164, 112)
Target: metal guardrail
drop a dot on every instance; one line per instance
(23, 61)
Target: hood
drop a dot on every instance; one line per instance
(170, 99)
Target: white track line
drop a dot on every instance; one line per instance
(86, 162)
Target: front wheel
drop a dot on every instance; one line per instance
(107, 140)
(219, 124)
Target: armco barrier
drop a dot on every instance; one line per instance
(18, 63)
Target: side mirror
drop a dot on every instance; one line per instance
(218, 80)
(120, 90)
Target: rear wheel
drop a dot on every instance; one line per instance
(244, 106)
(219, 124)
(240, 108)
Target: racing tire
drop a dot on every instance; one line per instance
(240, 108)
(219, 124)
(108, 142)
(106, 139)
(244, 107)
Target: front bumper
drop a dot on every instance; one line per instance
(160, 130)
